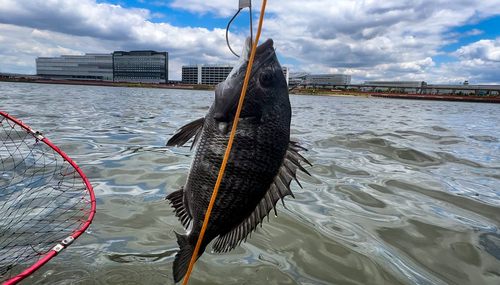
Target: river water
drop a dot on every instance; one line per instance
(401, 192)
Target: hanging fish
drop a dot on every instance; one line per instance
(261, 165)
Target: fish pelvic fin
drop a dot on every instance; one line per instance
(183, 257)
(181, 208)
(279, 189)
(186, 132)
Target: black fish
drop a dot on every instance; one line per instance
(261, 165)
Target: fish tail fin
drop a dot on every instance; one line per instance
(183, 257)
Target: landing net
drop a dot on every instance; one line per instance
(46, 202)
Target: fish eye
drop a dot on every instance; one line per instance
(266, 78)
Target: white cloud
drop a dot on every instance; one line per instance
(368, 39)
(222, 8)
(475, 71)
(474, 32)
(19, 46)
(486, 50)
(83, 26)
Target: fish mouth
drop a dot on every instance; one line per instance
(262, 49)
(263, 52)
(227, 93)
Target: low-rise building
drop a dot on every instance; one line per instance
(91, 66)
(210, 74)
(144, 66)
(297, 78)
(328, 79)
(461, 89)
(401, 84)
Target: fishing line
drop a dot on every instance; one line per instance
(229, 145)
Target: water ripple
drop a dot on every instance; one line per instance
(401, 192)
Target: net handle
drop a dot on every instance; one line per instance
(67, 241)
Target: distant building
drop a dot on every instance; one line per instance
(422, 87)
(210, 74)
(328, 79)
(401, 84)
(461, 89)
(296, 78)
(18, 75)
(91, 66)
(135, 66)
(405, 86)
(140, 66)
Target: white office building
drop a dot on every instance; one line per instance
(461, 89)
(400, 84)
(91, 66)
(210, 74)
(328, 79)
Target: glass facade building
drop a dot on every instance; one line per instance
(135, 66)
(91, 66)
(141, 66)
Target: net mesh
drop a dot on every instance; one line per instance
(43, 199)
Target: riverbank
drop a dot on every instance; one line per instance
(455, 98)
(111, 84)
(315, 92)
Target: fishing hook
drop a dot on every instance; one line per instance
(249, 5)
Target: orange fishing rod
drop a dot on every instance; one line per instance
(229, 145)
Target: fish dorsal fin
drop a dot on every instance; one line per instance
(278, 190)
(186, 132)
(181, 209)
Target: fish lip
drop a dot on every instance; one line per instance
(263, 52)
(228, 92)
(261, 49)
(267, 46)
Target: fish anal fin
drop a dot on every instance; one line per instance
(278, 190)
(181, 209)
(186, 132)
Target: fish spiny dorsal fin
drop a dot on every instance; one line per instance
(186, 132)
(278, 190)
(177, 201)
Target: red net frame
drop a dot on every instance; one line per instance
(46, 202)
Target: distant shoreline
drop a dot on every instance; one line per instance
(111, 84)
(314, 92)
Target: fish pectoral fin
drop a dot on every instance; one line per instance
(279, 189)
(181, 208)
(186, 132)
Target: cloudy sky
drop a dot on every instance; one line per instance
(439, 41)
